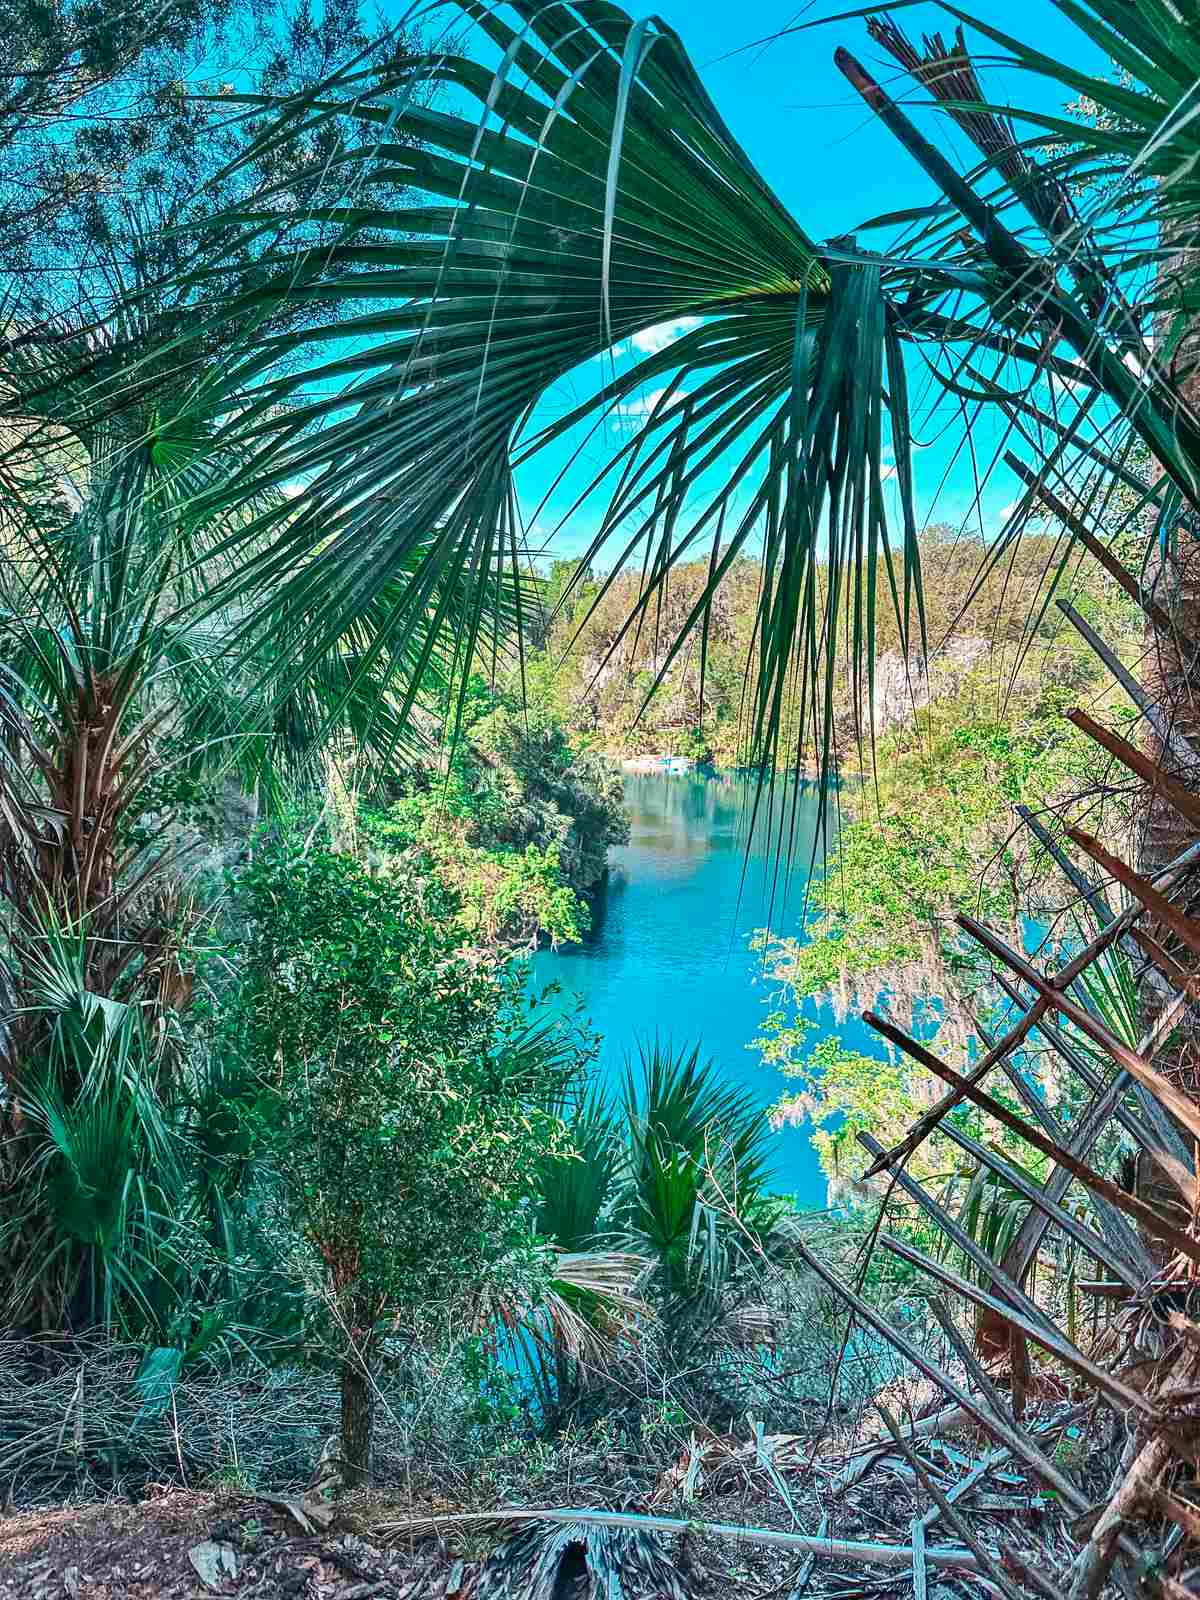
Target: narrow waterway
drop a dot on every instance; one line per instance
(670, 949)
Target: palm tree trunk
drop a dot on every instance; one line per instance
(1171, 681)
(1169, 677)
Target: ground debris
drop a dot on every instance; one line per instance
(760, 1518)
(185, 1546)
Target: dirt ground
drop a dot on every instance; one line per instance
(161, 1549)
(118, 1551)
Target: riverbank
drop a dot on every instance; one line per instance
(679, 766)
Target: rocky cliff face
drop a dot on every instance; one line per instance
(904, 687)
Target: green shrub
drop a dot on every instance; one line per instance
(403, 1101)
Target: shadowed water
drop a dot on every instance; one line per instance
(670, 948)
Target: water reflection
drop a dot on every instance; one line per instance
(670, 947)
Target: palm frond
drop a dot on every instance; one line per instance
(583, 192)
(575, 1185)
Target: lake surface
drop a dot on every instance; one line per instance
(669, 952)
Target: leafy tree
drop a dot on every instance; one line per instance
(114, 142)
(403, 1110)
(935, 835)
(513, 819)
(606, 669)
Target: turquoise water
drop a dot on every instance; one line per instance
(669, 950)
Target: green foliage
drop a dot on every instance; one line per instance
(102, 1170)
(677, 1173)
(498, 1400)
(116, 143)
(408, 1094)
(698, 1172)
(500, 895)
(842, 1093)
(574, 1186)
(515, 829)
(935, 834)
(394, 1102)
(126, 1194)
(990, 1210)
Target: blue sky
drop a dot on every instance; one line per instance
(798, 119)
(834, 166)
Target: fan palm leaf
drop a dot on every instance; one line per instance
(575, 1185)
(583, 192)
(506, 224)
(96, 1198)
(694, 1194)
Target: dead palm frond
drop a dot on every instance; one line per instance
(572, 1560)
(585, 1313)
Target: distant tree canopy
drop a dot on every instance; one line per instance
(971, 593)
(109, 152)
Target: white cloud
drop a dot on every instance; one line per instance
(651, 340)
(642, 406)
(1013, 507)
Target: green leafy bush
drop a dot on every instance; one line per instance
(516, 828)
(404, 1103)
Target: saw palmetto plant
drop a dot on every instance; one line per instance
(668, 1188)
(695, 1189)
